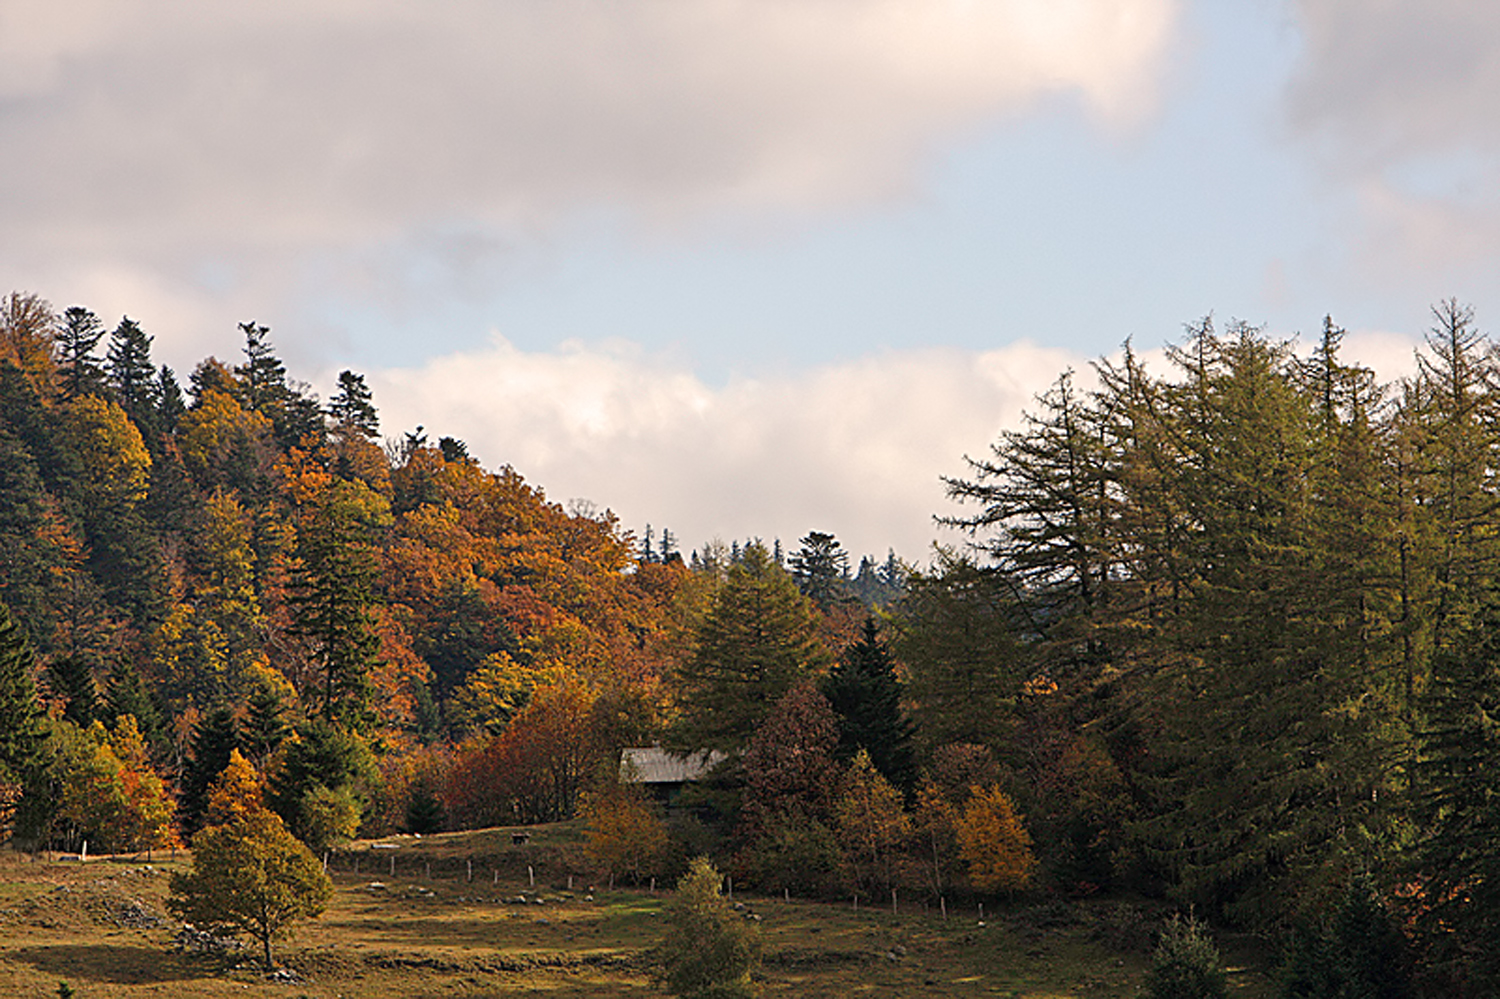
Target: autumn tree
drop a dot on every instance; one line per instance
(109, 797)
(251, 876)
(789, 766)
(27, 325)
(871, 823)
(993, 842)
(625, 834)
(708, 953)
(239, 791)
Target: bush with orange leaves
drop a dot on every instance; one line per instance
(993, 841)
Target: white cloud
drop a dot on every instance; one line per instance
(153, 133)
(856, 449)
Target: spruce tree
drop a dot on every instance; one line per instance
(866, 694)
(72, 679)
(128, 694)
(215, 737)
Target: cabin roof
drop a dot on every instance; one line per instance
(655, 765)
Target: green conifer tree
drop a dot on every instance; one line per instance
(23, 756)
(759, 638)
(866, 694)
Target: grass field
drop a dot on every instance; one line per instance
(436, 929)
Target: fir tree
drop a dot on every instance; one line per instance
(265, 727)
(334, 593)
(77, 337)
(132, 375)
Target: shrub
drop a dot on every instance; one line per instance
(708, 953)
(1186, 963)
(1357, 952)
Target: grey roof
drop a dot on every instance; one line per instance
(655, 765)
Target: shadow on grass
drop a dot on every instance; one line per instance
(116, 964)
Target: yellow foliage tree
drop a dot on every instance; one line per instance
(116, 462)
(993, 841)
(250, 876)
(239, 791)
(871, 822)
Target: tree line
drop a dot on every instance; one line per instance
(1222, 634)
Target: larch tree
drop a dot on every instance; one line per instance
(993, 842)
(758, 639)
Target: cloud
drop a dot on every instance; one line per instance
(1400, 101)
(856, 449)
(160, 132)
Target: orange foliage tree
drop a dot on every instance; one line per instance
(994, 843)
(534, 770)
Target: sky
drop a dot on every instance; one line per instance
(746, 268)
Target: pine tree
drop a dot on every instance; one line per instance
(351, 408)
(821, 568)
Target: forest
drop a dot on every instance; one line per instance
(1222, 635)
